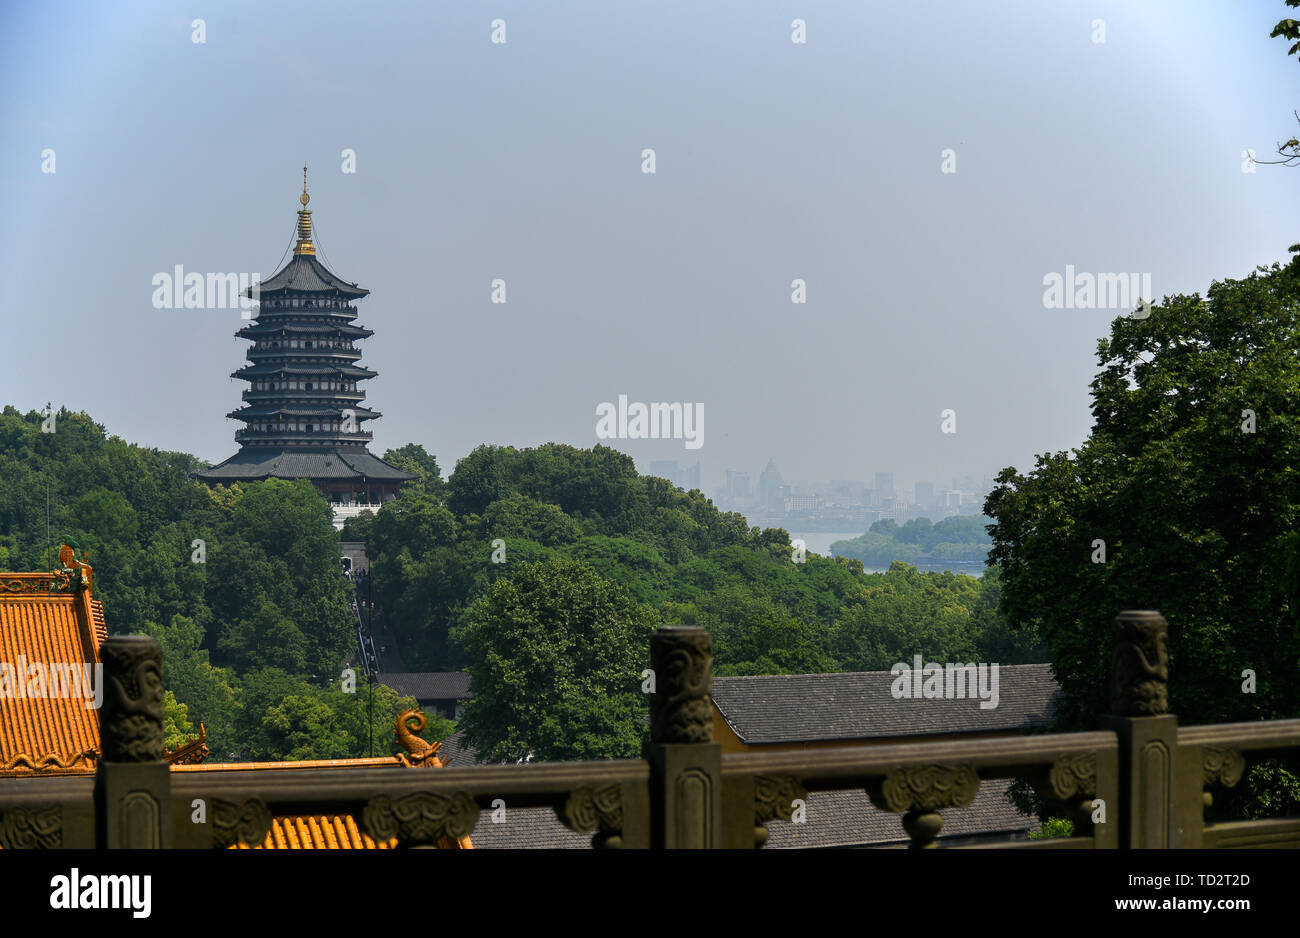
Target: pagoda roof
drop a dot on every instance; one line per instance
(297, 368)
(303, 410)
(289, 325)
(305, 274)
(249, 465)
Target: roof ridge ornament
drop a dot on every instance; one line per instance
(304, 245)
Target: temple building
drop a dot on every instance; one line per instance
(303, 408)
(51, 684)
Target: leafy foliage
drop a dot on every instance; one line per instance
(557, 655)
(267, 597)
(1189, 478)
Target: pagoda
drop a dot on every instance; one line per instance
(303, 410)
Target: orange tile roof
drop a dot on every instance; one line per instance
(304, 764)
(45, 734)
(60, 735)
(318, 832)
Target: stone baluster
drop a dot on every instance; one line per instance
(132, 782)
(685, 762)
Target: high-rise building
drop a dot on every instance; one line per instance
(848, 491)
(885, 489)
(769, 487)
(303, 412)
(737, 484)
(924, 494)
(665, 469)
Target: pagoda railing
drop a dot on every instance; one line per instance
(304, 436)
(315, 394)
(1141, 781)
(325, 352)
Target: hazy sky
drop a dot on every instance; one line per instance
(523, 161)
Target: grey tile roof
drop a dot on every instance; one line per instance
(526, 829)
(833, 819)
(304, 410)
(428, 685)
(305, 273)
(455, 751)
(272, 328)
(302, 368)
(249, 464)
(848, 819)
(785, 708)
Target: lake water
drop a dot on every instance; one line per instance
(819, 542)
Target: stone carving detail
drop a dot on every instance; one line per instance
(774, 798)
(131, 719)
(1073, 779)
(1224, 766)
(585, 810)
(232, 822)
(1139, 665)
(421, 818)
(601, 811)
(682, 659)
(922, 791)
(925, 788)
(32, 828)
(1074, 775)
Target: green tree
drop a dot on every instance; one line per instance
(1188, 481)
(556, 656)
(177, 729)
(413, 458)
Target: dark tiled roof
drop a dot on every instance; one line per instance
(849, 819)
(302, 368)
(260, 329)
(303, 410)
(526, 829)
(429, 685)
(305, 273)
(832, 819)
(784, 708)
(249, 464)
(456, 752)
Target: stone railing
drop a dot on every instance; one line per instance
(1142, 781)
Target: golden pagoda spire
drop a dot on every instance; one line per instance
(304, 245)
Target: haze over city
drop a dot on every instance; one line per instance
(522, 161)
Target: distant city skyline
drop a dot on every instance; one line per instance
(688, 474)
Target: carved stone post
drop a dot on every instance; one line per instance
(685, 762)
(919, 792)
(1148, 732)
(132, 783)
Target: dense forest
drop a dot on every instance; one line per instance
(1185, 499)
(548, 518)
(241, 585)
(918, 541)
